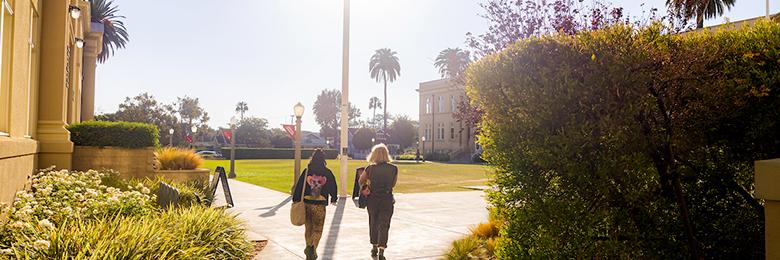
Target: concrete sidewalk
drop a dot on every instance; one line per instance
(423, 225)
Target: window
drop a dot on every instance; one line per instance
(32, 82)
(453, 105)
(428, 105)
(440, 132)
(452, 132)
(6, 45)
(441, 104)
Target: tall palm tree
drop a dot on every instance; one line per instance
(384, 66)
(452, 63)
(700, 9)
(374, 103)
(114, 32)
(241, 108)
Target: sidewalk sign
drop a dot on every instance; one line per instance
(220, 175)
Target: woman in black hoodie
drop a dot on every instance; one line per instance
(320, 187)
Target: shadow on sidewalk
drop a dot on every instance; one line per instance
(272, 210)
(333, 232)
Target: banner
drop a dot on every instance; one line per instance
(290, 129)
(227, 134)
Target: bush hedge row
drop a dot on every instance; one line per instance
(274, 153)
(119, 134)
(630, 142)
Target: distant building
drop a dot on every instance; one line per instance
(313, 140)
(443, 133)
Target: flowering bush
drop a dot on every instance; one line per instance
(56, 197)
(93, 214)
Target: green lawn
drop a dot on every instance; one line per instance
(413, 177)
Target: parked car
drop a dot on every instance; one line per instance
(209, 154)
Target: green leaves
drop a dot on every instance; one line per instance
(119, 134)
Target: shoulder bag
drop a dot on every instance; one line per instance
(365, 190)
(298, 209)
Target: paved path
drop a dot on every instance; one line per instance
(423, 226)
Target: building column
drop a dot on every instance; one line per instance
(92, 47)
(768, 188)
(55, 145)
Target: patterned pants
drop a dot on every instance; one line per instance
(315, 219)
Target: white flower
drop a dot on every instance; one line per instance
(45, 223)
(113, 199)
(145, 190)
(41, 244)
(67, 210)
(19, 225)
(6, 251)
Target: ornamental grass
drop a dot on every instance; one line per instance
(173, 158)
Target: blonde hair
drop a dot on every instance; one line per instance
(379, 154)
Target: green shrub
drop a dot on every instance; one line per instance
(630, 143)
(275, 153)
(119, 134)
(185, 233)
(437, 156)
(467, 248)
(406, 157)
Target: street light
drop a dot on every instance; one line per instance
(373, 141)
(298, 109)
(170, 137)
(75, 12)
(233, 123)
(193, 129)
(423, 147)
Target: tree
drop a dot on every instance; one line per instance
(700, 9)
(145, 108)
(403, 131)
(363, 138)
(190, 111)
(280, 139)
(241, 108)
(373, 104)
(452, 63)
(384, 67)
(327, 112)
(512, 20)
(115, 34)
(253, 132)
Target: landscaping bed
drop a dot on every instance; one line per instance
(94, 214)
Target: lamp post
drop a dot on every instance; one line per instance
(373, 141)
(170, 137)
(423, 148)
(233, 123)
(298, 109)
(193, 129)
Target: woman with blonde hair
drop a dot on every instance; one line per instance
(381, 176)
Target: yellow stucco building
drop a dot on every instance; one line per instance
(47, 66)
(438, 102)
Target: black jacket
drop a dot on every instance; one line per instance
(329, 191)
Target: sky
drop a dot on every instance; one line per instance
(275, 53)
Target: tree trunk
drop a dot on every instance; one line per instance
(384, 117)
(700, 21)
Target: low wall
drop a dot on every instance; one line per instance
(17, 163)
(130, 163)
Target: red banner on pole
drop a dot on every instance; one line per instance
(188, 138)
(290, 129)
(227, 134)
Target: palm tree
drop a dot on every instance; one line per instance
(241, 108)
(114, 32)
(701, 9)
(452, 63)
(384, 66)
(374, 103)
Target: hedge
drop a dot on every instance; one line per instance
(274, 153)
(630, 142)
(119, 134)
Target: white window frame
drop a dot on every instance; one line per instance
(5, 91)
(441, 104)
